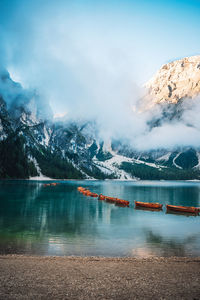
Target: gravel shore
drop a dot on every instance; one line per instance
(36, 277)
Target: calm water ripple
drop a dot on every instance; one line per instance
(60, 221)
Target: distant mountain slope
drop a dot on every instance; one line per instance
(32, 144)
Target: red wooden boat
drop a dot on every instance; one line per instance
(121, 202)
(86, 192)
(186, 209)
(93, 195)
(101, 197)
(110, 199)
(117, 201)
(148, 205)
(81, 189)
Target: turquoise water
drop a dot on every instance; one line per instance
(61, 221)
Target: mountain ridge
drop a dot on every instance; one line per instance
(31, 144)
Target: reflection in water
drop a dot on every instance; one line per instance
(181, 213)
(60, 221)
(148, 209)
(171, 247)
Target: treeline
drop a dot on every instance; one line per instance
(101, 155)
(96, 173)
(14, 161)
(145, 172)
(54, 166)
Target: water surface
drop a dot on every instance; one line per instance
(61, 221)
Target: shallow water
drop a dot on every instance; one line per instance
(60, 221)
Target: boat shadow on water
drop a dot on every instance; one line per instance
(181, 213)
(148, 209)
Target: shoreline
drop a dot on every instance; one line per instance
(109, 258)
(94, 179)
(75, 277)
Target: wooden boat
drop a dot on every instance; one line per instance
(86, 193)
(101, 197)
(47, 184)
(80, 188)
(186, 209)
(117, 201)
(89, 194)
(110, 199)
(148, 205)
(120, 202)
(94, 195)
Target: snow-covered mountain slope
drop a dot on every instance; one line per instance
(32, 144)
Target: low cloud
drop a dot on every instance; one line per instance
(85, 68)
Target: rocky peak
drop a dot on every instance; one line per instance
(175, 81)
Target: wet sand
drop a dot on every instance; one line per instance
(36, 277)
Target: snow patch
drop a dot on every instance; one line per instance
(111, 165)
(177, 166)
(164, 157)
(46, 137)
(41, 176)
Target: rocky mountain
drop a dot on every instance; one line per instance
(33, 144)
(174, 81)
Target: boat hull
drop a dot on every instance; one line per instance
(148, 205)
(182, 209)
(101, 197)
(117, 201)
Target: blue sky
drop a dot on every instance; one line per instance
(85, 53)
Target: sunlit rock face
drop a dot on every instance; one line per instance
(175, 81)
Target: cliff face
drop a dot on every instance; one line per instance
(174, 81)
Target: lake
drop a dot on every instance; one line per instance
(38, 220)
